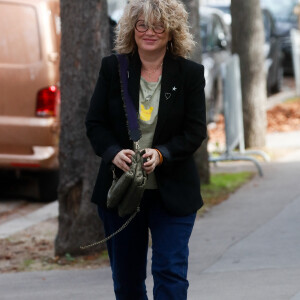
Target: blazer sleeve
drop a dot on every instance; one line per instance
(194, 132)
(98, 127)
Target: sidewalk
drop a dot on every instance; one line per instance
(248, 247)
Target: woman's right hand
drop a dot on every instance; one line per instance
(123, 159)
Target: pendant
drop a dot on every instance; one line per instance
(168, 96)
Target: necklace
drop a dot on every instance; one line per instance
(152, 72)
(149, 89)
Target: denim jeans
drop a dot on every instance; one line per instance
(128, 251)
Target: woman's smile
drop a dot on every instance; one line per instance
(149, 40)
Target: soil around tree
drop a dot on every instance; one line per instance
(33, 250)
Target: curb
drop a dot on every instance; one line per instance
(16, 225)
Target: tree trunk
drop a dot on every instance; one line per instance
(85, 40)
(247, 42)
(201, 155)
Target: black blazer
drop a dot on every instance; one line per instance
(180, 130)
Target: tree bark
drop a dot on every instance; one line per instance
(247, 42)
(201, 155)
(85, 40)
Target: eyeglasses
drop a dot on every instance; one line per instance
(140, 26)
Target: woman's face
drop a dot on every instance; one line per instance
(151, 38)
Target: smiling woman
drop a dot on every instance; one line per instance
(167, 92)
(171, 14)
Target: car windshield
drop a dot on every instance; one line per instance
(281, 10)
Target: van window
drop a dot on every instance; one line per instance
(19, 34)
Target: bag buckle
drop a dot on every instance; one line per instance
(136, 145)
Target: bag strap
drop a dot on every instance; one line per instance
(131, 113)
(133, 131)
(113, 234)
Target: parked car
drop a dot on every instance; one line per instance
(285, 20)
(273, 54)
(29, 85)
(272, 48)
(215, 41)
(225, 8)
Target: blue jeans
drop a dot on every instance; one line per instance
(128, 251)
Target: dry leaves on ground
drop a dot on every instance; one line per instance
(281, 118)
(284, 117)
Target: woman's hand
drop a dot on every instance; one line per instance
(123, 159)
(152, 160)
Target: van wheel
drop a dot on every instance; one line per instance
(48, 184)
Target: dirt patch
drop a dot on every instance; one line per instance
(33, 249)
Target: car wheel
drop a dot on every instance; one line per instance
(48, 184)
(276, 88)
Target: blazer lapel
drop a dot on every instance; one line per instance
(169, 89)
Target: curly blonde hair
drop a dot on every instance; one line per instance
(171, 13)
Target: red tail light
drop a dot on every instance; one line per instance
(47, 102)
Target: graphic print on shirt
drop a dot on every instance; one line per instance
(145, 114)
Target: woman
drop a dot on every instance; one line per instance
(168, 92)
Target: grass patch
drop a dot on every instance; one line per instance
(221, 186)
(27, 263)
(292, 100)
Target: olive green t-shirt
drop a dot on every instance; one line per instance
(148, 110)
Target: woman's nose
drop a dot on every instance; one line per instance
(150, 31)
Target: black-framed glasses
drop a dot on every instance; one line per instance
(142, 27)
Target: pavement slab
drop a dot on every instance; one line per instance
(274, 245)
(263, 284)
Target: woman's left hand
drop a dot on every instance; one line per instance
(152, 160)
